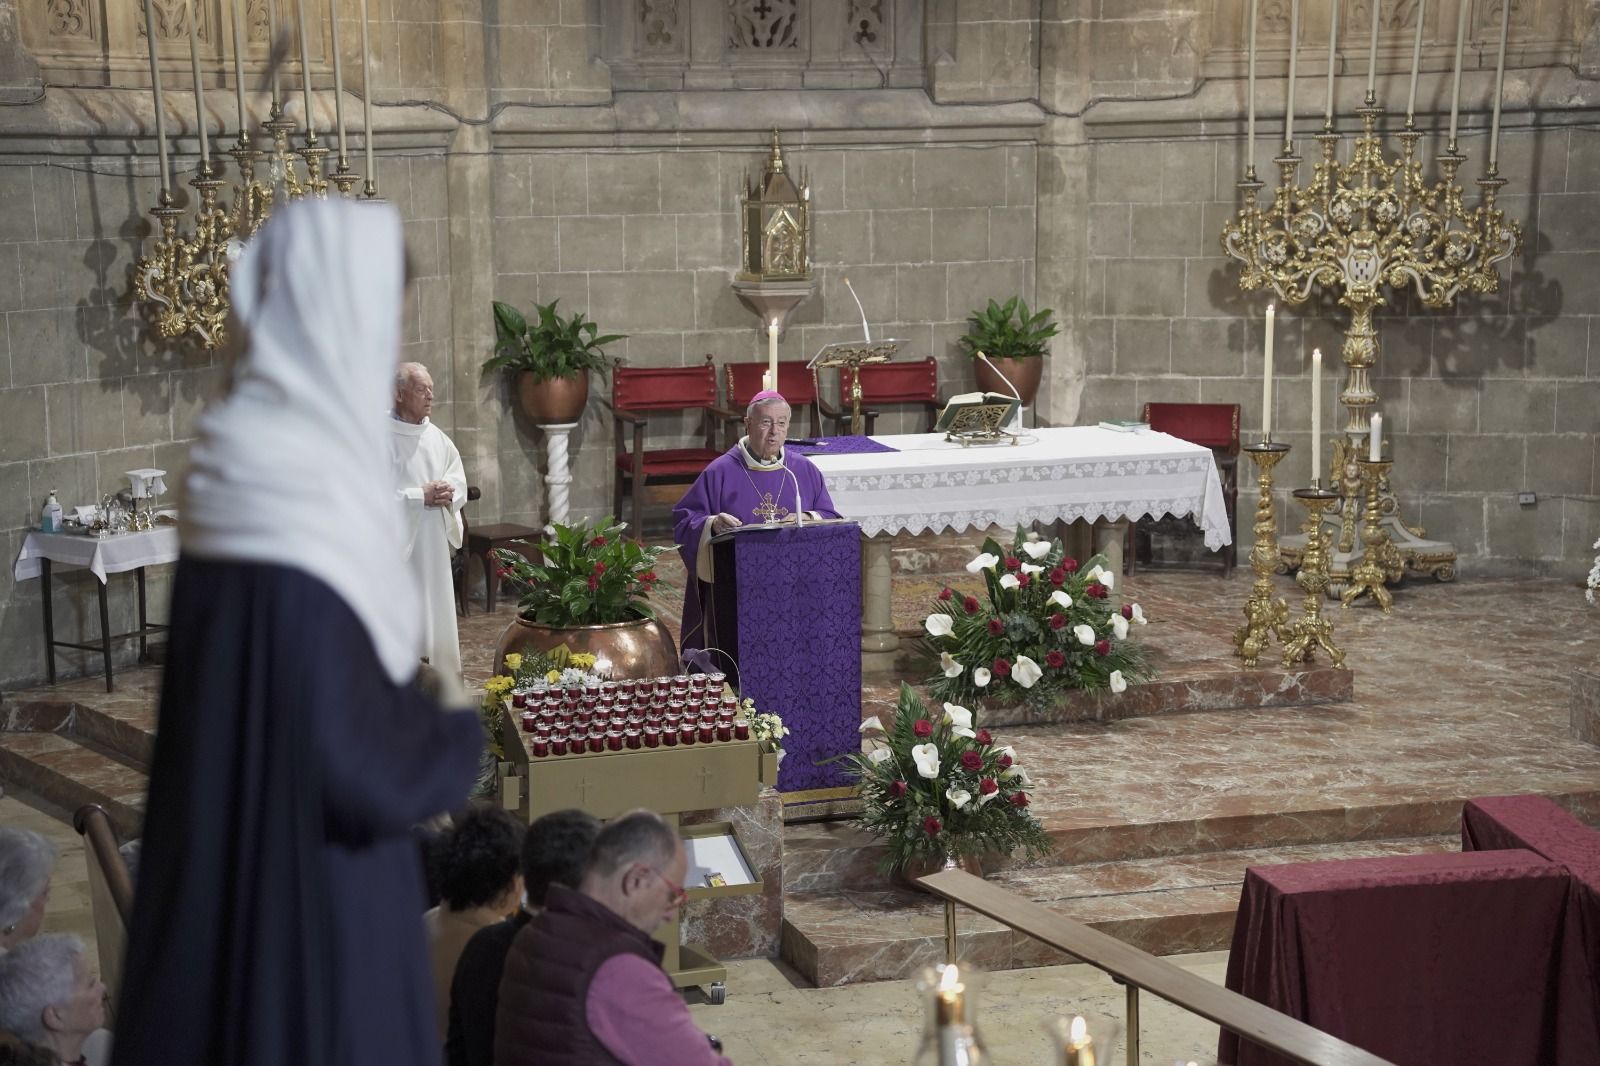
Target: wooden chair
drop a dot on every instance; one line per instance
(636, 394)
(741, 381)
(1215, 426)
(911, 382)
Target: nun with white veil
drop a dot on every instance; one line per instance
(280, 896)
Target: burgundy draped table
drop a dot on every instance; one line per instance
(1425, 960)
(791, 616)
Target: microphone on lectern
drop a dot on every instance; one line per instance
(1016, 418)
(799, 509)
(867, 332)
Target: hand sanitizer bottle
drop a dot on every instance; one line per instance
(50, 517)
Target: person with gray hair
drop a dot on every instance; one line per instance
(431, 486)
(26, 862)
(49, 995)
(583, 983)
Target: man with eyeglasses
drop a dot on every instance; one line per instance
(583, 983)
(755, 481)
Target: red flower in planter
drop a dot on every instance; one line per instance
(1102, 648)
(1005, 762)
(1000, 668)
(971, 760)
(931, 825)
(988, 786)
(1069, 565)
(1054, 659)
(922, 727)
(983, 737)
(599, 568)
(1127, 611)
(1019, 799)
(598, 542)
(1024, 580)
(946, 593)
(1058, 576)
(593, 582)
(1096, 591)
(1058, 620)
(970, 605)
(996, 627)
(1012, 562)
(897, 789)
(649, 577)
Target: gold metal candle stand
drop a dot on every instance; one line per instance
(1264, 616)
(1311, 630)
(1382, 561)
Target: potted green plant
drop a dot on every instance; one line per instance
(549, 358)
(1015, 339)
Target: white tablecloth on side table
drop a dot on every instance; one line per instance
(1079, 472)
(101, 555)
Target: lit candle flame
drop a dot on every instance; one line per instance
(1079, 1032)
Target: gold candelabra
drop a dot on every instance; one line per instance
(1312, 631)
(1381, 562)
(1265, 616)
(1356, 227)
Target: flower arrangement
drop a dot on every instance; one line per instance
(935, 787)
(765, 726)
(531, 671)
(589, 575)
(1594, 577)
(1045, 626)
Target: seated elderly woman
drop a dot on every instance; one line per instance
(26, 862)
(50, 996)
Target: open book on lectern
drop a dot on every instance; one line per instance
(976, 411)
(756, 527)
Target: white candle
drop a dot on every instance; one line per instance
(1375, 438)
(1455, 90)
(1266, 378)
(272, 40)
(155, 82)
(1499, 85)
(1372, 51)
(1416, 61)
(1288, 92)
(366, 95)
(772, 354)
(338, 75)
(1316, 416)
(238, 63)
(199, 87)
(305, 62)
(1250, 96)
(1333, 59)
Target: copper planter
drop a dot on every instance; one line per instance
(640, 648)
(553, 401)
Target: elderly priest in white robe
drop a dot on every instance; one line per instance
(432, 489)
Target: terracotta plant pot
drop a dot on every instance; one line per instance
(553, 401)
(641, 648)
(1024, 374)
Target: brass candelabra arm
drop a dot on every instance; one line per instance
(1381, 563)
(1311, 630)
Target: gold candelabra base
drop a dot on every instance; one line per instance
(1312, 631)
(1381, 563)
(1264, 615)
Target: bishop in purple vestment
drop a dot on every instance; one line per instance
(755, 481)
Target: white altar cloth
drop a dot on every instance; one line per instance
(115, 554)
(1076, 472)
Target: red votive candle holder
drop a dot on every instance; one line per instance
(558, 745)
(686, 734)
(527, 722)
(633, 738)
(741, 730)
(597, 742)
(715, 681)
(519, 700)
(614, 740)
(541, 747)
(652, 736)
(707, 733)
(669, 738)
(725, 731)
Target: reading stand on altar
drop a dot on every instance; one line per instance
(786, 610)
(978, 418)
(854, 354)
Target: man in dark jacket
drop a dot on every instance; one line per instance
(555, 851)
(583, 983)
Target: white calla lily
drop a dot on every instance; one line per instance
(939, 625)
(1138, 615)
(1026, 672)
(1009, 581)
(926, 756)
(986, 561)
(957, 715)
(985, 797)
(980, 677)
(1012, 772)
(1118, 682)
(1009, 752)
(1119, 626)
(1031, 568)
(958, 797)
(1037, 549)
(1061, 599)
(949, 665)
(962, 731)
(878, 755)
(1093, 573)
(1108, 579)
(1085, 634)
(872, 723)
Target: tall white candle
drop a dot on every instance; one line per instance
(1455, 89)
(161, 114)
(366, 94)
(1250, 96)
(272, 41)
(1499, 84)
(1266, 377)
(1288, 92)
(772, 354)
(238, 64)
(1333, 60)
(1316, 415)
(1416, 61)
(305, 62)
(1372, 51)
(1375, 438)
(199, 86)
(338, 75)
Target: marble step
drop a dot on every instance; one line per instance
(68, 773)
(1169, 905)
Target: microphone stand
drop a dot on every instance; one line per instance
(799, 509)
(1015, 394)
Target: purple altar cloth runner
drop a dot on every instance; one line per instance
(799, 651)
(847, 445)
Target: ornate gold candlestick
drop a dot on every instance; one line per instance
(1264, 615)
(1312, 630)
(1381, 562)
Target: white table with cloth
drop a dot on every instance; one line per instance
(1066, 474)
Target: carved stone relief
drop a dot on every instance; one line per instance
(659, 31)
(763, 25)
(1393, 15)
(69, 18)
(865, 24)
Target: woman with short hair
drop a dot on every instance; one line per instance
(26, 862)
(50, 997)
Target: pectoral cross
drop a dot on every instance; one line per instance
(768, 510)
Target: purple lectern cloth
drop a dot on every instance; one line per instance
(727, 485)
(799, 594)
(1424, 960)
(849, 445)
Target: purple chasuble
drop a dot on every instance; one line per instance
(751, 496)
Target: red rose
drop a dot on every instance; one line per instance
(1005, 762)
(1069, 565)
(648, 577)
(1024, 580)
(946, 593)
(1012, 562)
(599, 568)
(1000, 668)
(971, 760)
(1054, 659)
(1057, 620)
(931, 826)
(1058, 576)
(1102, 648)
(988, 786)
(1096, 590)
(1019, 799)
(897, 789)
(1127, 611)
(983, 737)
(970, 605)
(996, 627)
(594, 582)
(598, 542)
(922, 727)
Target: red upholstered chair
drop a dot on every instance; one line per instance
(911, 382)
(636, 394)
(741, 381)
(1215, 426)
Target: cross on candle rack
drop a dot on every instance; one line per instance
(706, 774)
